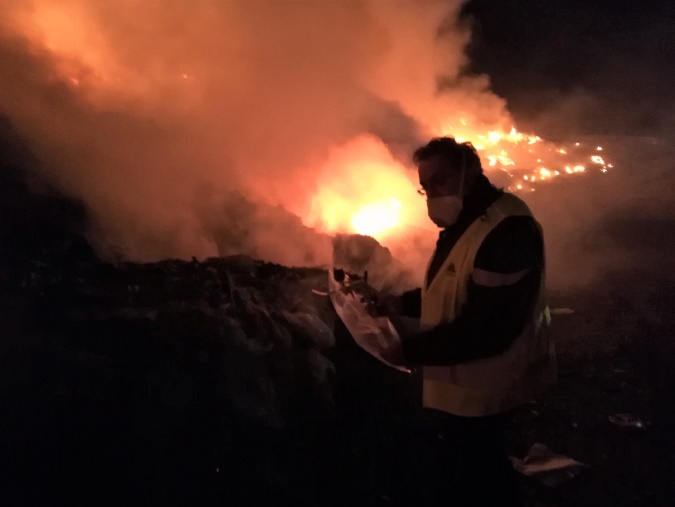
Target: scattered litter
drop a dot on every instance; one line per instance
(549, 468)
(627, 421)
(562, 311)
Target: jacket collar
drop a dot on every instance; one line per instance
(481, 195)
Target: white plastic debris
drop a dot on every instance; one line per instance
(549, 468)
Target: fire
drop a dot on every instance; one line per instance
(364, 190)
(374, 195)
(523, 158)
(360, 188)
(377, 218)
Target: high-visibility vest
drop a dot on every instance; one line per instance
(496, 384)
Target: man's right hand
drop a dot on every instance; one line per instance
(389, 305)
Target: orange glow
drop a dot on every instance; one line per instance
(364, 190)
(65, 31)
(377, 218)
(524, 157)
(358, 187)
(370, 193)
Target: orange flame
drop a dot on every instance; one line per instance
(374, 195)
(377, 218)
(361, 188)
(364, 190)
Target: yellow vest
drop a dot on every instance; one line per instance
(495, 384)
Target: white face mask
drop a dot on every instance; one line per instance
(444, 211)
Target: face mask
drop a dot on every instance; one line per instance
(444, 211)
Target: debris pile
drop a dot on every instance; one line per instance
(256, 325)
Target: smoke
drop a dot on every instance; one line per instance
(616, 227)
(204, 128)
(594, 69)
(600, 75)
(222, 127)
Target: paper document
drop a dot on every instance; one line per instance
(372, 333)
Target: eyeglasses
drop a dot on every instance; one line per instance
(434, 181)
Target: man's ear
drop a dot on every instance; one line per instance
(469, 180)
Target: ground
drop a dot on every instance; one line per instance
(91, 419)
(227, 382)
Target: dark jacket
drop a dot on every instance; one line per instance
(492, 317)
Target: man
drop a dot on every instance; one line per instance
(484, 344)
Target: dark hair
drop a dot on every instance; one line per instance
(455, 152)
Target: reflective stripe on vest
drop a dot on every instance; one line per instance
(495, 384)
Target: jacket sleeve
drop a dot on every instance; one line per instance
(411, 303)
(494, 314)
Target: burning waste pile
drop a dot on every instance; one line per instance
(159, 144)
(237, 350)
(227, 147)
(256, 324)
(262, 328)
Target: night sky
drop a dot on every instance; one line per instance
(594, 67)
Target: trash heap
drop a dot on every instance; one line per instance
(258, 326)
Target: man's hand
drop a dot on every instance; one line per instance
(389, 305)
(394, 353)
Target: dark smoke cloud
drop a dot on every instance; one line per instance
(593, 68)
(599, 73)
(614, 225)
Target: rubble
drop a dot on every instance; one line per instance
(251, 321)
(161, 371)
(231, 348)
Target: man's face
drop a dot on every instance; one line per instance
(437, 179)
